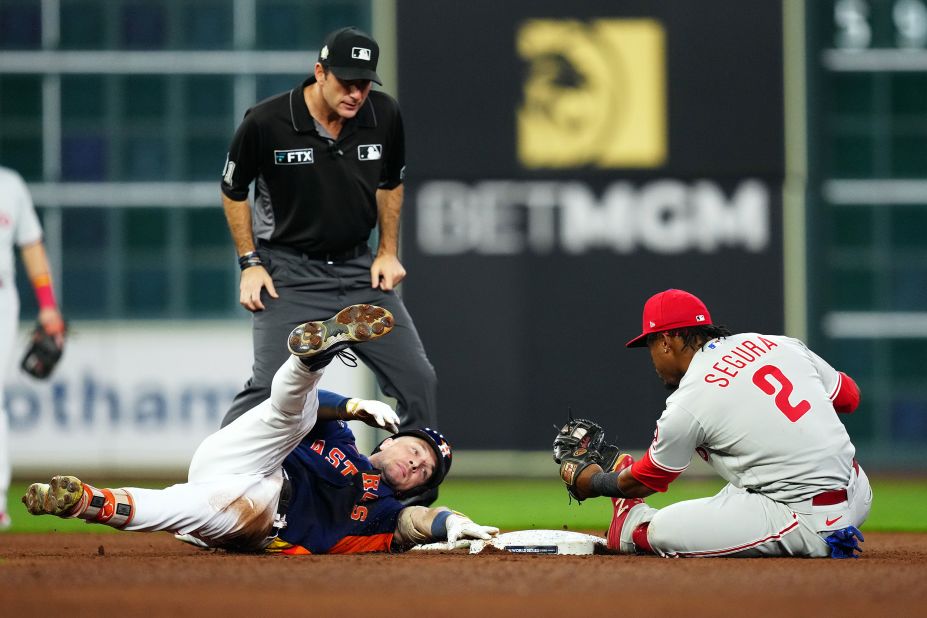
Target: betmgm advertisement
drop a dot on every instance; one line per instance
(564, 164)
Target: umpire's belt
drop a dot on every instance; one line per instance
(324, 256)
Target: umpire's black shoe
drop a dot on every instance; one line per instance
(317, 343)
(426, 498)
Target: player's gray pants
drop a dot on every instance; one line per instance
(315, 290)
(737, 523)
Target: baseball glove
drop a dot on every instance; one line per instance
(42, 353)
(579, 444)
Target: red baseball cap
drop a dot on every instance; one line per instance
(669, 310)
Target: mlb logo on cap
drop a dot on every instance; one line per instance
(671, 310)
(351, 54)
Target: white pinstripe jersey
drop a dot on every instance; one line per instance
(760, 409)
(19, 224)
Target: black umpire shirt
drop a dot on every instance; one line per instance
(314, 194)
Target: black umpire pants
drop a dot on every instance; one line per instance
(317, 290)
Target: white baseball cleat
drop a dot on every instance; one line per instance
(59, 497)
(317, 343)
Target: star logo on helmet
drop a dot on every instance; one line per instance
(445, 449)
(324, 53)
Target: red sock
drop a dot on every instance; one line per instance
(639, 538)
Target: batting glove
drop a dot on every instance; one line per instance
(372, 411)
(462, 527)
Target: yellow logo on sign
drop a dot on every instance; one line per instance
(595, 94)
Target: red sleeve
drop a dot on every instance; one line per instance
(847, 397)
(653, 475)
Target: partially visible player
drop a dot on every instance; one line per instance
(762, 411)
(287, 476)
(19, 226)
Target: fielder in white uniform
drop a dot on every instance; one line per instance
(762, 411)
(19, 226)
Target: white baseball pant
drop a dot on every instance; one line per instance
(738, 523)
(235, 475)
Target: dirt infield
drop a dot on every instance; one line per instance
(154, 575)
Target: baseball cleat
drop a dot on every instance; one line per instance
(58, 497)
(319, 342)
(622, 507)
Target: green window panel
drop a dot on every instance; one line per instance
(852, 289)
(209, 98)
(86, 229)
(280, 26)
(851, 93)
(909, 155)
(207, 228)
(143, 97)
(146, 262)
(144, 229)
(269, 85)
(909, 94)
(852, 228)
(907, 358)
(851, 156)
(84, 25)
(857, 357)
(333, 14)
(301, 24)
(86, 293)
(143, 158)
(206, 25)
(907, 227)
(24, 154)
(908, 292)
(861, 424)
(83, 101)
(205, 157)
(212, 291)
(146, 291)
(143, 25)
(20, 98)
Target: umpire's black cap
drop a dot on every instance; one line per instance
(351, 54)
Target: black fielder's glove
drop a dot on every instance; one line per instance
(578, 434)
(580, 444)
(42, 353)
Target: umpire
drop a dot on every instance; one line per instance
(328, 159)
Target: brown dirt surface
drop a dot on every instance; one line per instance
(137, 574)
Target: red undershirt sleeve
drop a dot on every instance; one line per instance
(653, 475)
(846, 398)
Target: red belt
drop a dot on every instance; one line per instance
(834, 496)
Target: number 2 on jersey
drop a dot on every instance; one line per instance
(766, 378)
